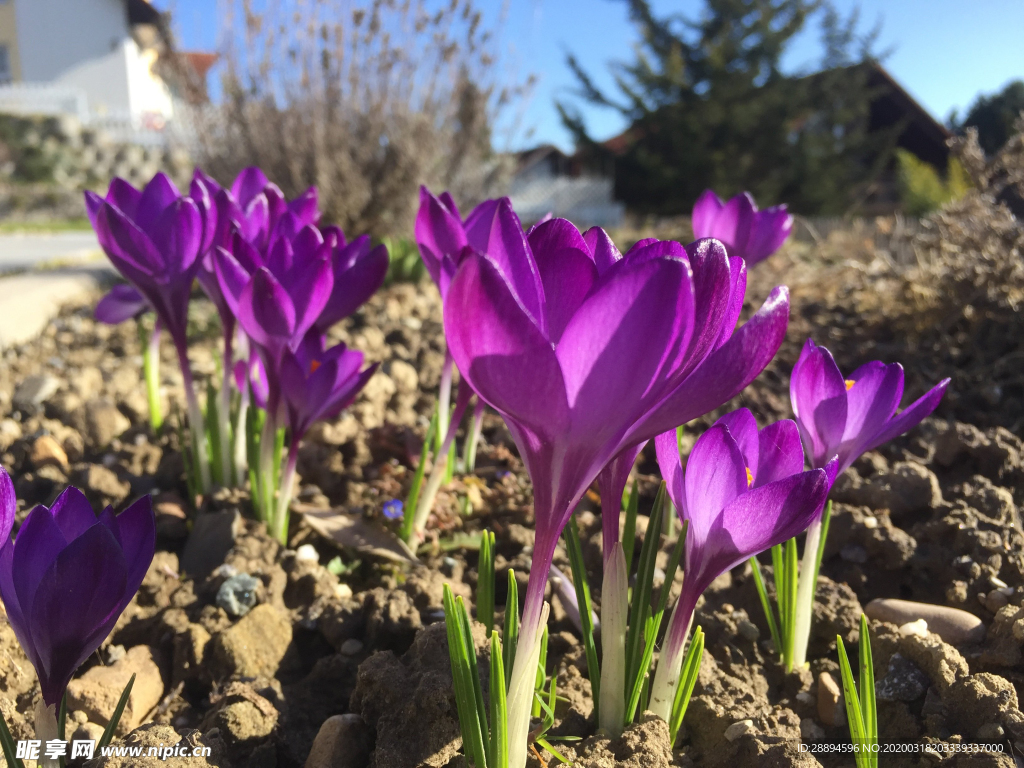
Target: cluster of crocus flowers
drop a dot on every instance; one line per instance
(843, 417)
(279, 281)
(65, 579)
(745, 231)
(744, 490)
(586, 353)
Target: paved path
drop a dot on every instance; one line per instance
(25, 251)
(53, 270)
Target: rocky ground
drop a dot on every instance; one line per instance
(325, 655)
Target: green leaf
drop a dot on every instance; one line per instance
(485, 581)
(552, 751)
(62, 716)
(115, 718)
(541, 670)
(640, 605)
(7, 742)
(499, 707)
(579, 582)
(687, 681)
(511, 633)
(826, 517)
(463, 673)
(670, 572)
(858, 729)
(412, 500)
(790, 585)
(650, 636)
(766, 605)
(867, 686)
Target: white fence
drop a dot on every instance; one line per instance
(584, 200)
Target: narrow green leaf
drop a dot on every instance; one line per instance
(552, 751)
(826, 518)
(510, 636)
(629, 531)
(579, 582)
(687, 681)
(791, 578)
(465, 699)
(766, 605)
(278, 453)
(485, 581)
(213, 437)
(670, 573)
(499, 707)
(650, 635)
(640, 605)
(412, 500)
(115, 718)
(854, 715)
(7, 742)
(867, 684)
(467, 635)
(62, 716)
(541, 671)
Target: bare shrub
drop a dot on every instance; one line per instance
(364, 102)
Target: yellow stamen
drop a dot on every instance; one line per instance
(750, 477)
(313, 366)
(849, 384)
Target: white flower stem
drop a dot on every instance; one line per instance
(670, 663)
(523, 680)
(224, 424)
(444, 396)
(614, 610)
(46, 730)
(151, 369)
(284, 498)
(473, 440)
(196, 422)
(805, 590)
(241, 452)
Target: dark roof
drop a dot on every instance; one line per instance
(142, 12)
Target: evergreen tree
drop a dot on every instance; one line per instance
(994, 116)
(709, 107)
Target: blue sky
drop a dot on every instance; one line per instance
(944, 52)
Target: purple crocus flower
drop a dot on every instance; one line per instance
(747, 232)
(359, 270)
(743, 492)
(849, 416)
(68, 576)
(122, 302)
(586, 353)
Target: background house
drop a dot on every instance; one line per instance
(99, 60)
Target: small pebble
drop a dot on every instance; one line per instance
(996, 582)
(996, 599)
(342, 591)
(738, 729)
(238, 594)
(805, 697)
(748, 630)
(307, 553)
(115, 653)
(448, 566)
(903, 681)
(225, 570)
(953, 625)
(829, 695)
(351, 647)
(917, 628)
(810, 730)
(990, 732)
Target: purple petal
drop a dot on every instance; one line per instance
(500, 351)
(601, 248)
(137, 536)
(771, 228)
(494, 229)
(122, 302)
(8, 507)
(716, 474)
(12, 605)
(78, 599)
(611, 484)
(725, 372)
(438, 232)
(73, 513)
(615, 350)
(818, 395)
(37, 545)
(873, 395)
(354, 284)
(249, 183)
(733, 224)
(737, 293)
(232, 278)
(178, 233)
(780, 453)
(911, 416)
(712, 289)
(125, 197)
(705, 213)
(556, 235)
(310, 290)
(159, 194)
(129, 248)
(568, 275)
(666, 446)
(743, 427)
(306, 207)
(265, 310)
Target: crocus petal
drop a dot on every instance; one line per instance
(615, 329)
(873, 395)
(159, 194)
(734, 222)
(306, 207)
(8, 507)
(705, 213)
(713, 295)
(911, 416)
(38, 543)
(737, 293)
(72, 513)
(611, 484)
(666, 446)
(249, 183)
(601, 248)
(310, 290)
(75, 607)
(494, 342)
(743, 427)
(715, 475)
(265, 310)
(178, 233)
(771, 228)
(725, 372)
(494, 229)
(12, 605)
(818, 394)
(556, 235)
(438, 232)
(125, 197)
(568, 275)
(137, 529)
(780, 453)
(232, 278)
(128, 247)
(354, 284)
(122, 302)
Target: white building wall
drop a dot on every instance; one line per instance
(56, 35)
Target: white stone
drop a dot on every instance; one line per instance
(307, 553)
(917, 628)
(738, 729)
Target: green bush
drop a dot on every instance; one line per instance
(922, 189)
